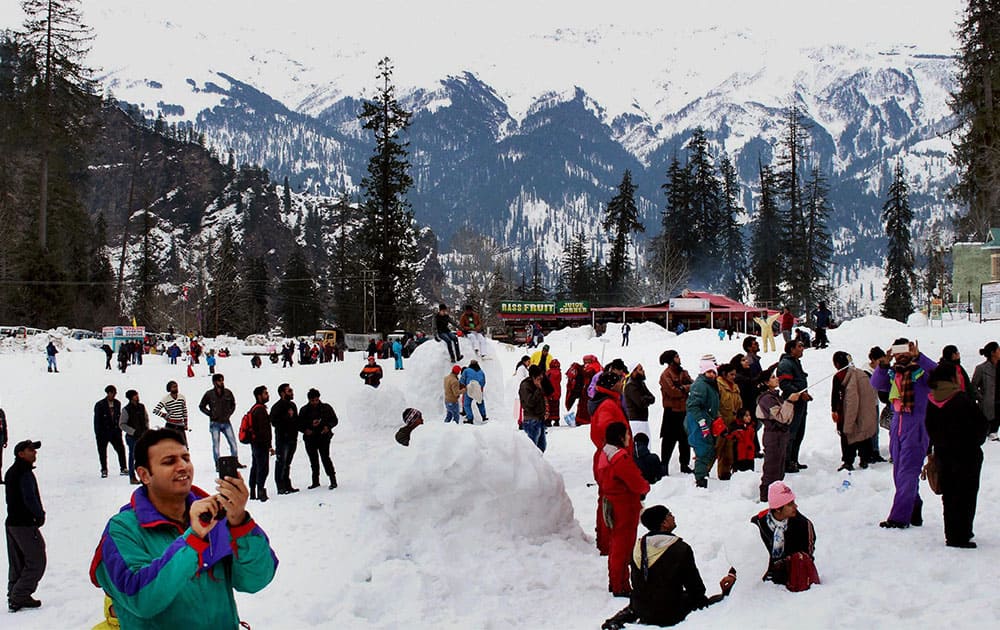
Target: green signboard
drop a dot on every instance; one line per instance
(512, 307)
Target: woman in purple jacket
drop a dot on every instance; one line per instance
(906, 380)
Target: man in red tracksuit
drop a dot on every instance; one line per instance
(607, 394)
(623, 488)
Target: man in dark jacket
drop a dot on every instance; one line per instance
(533, 404)
(285, 420)
(666, 584)
(134, 422)
(25, 515)
(791, 379)
(443, 332)
(260, 444)
(316, 421)
(821, 317)
(107, 414)
(638, 398)
(219, 404)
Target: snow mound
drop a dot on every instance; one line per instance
(917, 320)
(459, 479)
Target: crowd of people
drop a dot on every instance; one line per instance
(724, 418)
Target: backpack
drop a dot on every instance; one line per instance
(474, 390)
(246, 427)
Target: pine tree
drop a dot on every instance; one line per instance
(536, 291)
(254, 295)
(733, 254)
(388, 234)
(707, 208)
(766, 261)
(53, 28)
(678, 226)
(621, 218)
(575, 269)
(977, 151)
(101, 276)
(896, 214)
(300, 308)
(223, 312)
(936, 272)
(286, 196)
(789, 169)
(145, 277)
(817, 251)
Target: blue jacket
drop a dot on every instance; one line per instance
(468, 374)
(702, 406)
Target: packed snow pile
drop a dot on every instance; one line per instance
(453, 480)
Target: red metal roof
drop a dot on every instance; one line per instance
(717, 304)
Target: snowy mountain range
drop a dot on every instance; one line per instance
(523, 127)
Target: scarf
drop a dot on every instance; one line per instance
(779, 527)
(902, 378)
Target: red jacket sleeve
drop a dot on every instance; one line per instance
(625, 470)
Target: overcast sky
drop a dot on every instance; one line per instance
(521, 47)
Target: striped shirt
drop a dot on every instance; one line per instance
(174, 410)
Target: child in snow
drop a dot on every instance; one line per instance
(789, 538)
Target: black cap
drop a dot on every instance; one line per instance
(20, 446)
(652, 517)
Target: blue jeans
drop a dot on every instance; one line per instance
(451, 412)
(131, 441)
(227, 429)
(284, 451)
(535, 430)
(52, 362)
(450, 339)
(259, 466)
(468, 409)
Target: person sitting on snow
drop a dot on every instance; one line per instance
(666, 584)
(790, 540)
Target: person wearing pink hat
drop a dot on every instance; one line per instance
(790, 540)
(702, 410)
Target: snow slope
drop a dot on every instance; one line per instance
(471, 527)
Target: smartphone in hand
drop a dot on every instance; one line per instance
(227, 467)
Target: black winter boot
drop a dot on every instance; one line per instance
(262, 495)
(333, 481)
(701, 483)
(253, 494)
(917, 518)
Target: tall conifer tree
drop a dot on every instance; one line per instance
(975, 104)
(621, 218)
(896, 215)
(388, 234)
(766, 262)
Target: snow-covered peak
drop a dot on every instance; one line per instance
(662, 56)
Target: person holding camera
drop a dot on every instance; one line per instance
(906, 380)
(172, 557)
(666, 584)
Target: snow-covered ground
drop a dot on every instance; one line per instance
(471, 527)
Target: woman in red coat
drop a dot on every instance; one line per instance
(607, 393)
(554, 376)
(623, 487)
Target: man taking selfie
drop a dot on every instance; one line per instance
(173, 555)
